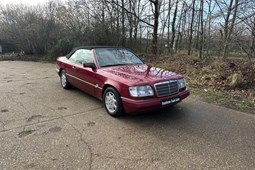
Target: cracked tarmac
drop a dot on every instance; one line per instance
(43, 126)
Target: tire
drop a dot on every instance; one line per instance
(63, 80)
(112, 102)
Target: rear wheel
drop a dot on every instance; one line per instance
(112, 102)
(63, 80)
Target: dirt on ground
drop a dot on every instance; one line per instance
(235, 77)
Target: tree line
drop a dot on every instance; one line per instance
(202, 27)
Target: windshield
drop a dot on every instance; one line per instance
(115, 56)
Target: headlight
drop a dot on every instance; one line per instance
(141, 91)
(181, 83)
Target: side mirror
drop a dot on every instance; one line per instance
(90, 65)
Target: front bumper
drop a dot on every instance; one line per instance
(138, 106)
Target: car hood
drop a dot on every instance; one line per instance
(140, 73)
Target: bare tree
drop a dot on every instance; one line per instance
(191, 26)
(202, 36)
(214, 26)
(173, 24)
(156, 12)
(30, 29)
(229, 20)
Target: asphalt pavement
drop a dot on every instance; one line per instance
(43, 126)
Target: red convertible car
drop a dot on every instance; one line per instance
(120, 79)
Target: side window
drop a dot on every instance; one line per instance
(81, 56)
(74, 57)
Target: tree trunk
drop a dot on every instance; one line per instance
(123, 34)
(155, 27)
(173, 25)
(253, 40)
(191, 27)
(179, 36)
(228, 30)
(208, 41)
(168, 27)
(198, 32)
(202, 30)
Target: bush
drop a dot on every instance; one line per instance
(62, 47)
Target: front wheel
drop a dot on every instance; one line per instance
(112, 102)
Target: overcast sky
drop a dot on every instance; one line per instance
(27, 2)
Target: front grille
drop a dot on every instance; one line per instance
(166, 88)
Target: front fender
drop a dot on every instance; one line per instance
(121, 88)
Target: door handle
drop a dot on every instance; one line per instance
(73, 67)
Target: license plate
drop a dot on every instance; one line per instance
(170, 101)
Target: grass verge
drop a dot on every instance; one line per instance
(225, 100)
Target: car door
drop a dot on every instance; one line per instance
(71, 68)
(84, 77)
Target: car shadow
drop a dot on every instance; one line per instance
(82, 94)
(171, 114)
